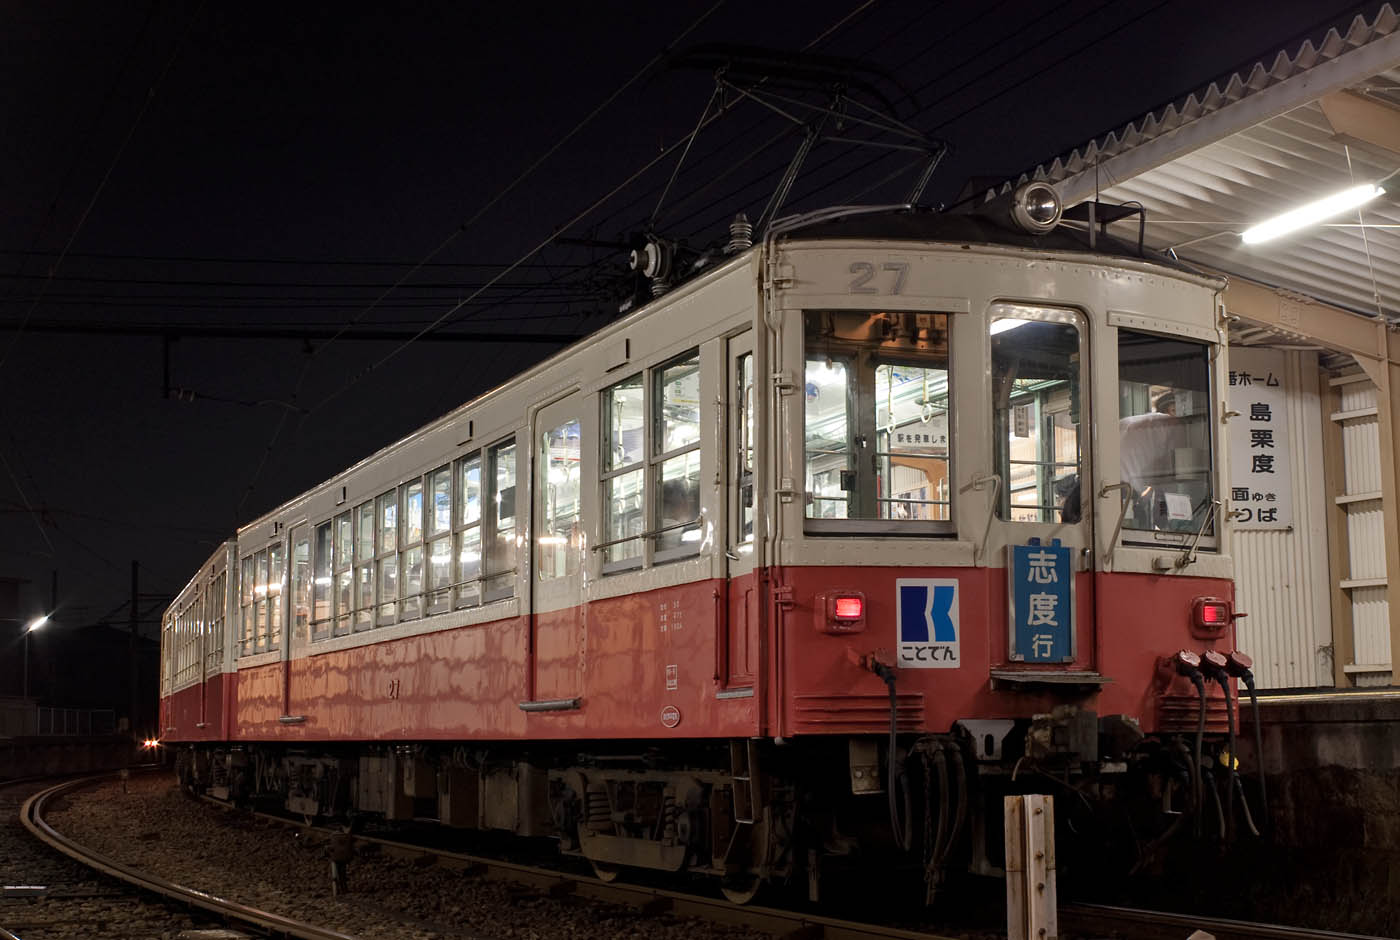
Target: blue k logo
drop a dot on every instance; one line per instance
(928, 623)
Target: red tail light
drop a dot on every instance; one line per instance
(839, 612)
(1210, 616)
(848, 607)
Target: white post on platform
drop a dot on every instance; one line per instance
(1030, 868)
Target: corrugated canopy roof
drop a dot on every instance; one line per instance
(1309, 123)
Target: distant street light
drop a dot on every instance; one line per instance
(29, 628)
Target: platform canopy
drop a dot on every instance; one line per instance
(1308, 123)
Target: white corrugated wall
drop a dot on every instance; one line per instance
(1365, 536)
(1281, 576)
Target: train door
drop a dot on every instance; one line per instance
(556, 524)
(739, 644)
(1041, 447)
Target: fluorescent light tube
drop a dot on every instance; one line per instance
(1312, 213)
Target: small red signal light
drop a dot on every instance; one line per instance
(1210, 616)
(840, 612)
(849, 608)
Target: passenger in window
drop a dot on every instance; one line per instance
(1067, 491)
(680, 504)
(1147, 445)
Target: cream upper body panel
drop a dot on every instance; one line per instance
(965, 282)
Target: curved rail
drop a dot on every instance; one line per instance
(31, 815)
(1094, 919)
(1135, 921)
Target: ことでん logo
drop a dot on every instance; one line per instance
(928, 623)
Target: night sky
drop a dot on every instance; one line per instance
(191, 165)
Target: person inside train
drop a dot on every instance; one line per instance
(1148, 444)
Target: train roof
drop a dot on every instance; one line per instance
(914, 223)
(893, 223)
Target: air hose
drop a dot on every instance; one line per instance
(897, 785)
(1188, 664)
(1213, 664)
(1240, 667)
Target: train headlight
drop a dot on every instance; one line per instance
(1036, 207)
(840, 612)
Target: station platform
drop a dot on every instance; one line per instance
(1352, 729)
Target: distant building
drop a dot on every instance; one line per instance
(11, 630)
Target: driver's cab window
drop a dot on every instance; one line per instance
(1164, 434)
(877, 439)
(1036, 412)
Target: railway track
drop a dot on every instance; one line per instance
(44, 896)
(1075, 920)
(212, 909)
(1104, 920)
(647, 902)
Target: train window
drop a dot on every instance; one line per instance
(829, 473)
(363, 600)
(469, 532)
(440, 509)
(411, 559)
(876, 422)
(676, 457)
(744, 381)
(439, 552)
(660, 456)
(1164, 427)
(260, 600)
(321, 583)
(471, 489)
(216, 614)
(624, 512)
(1036, 445)
(413, 512)
(387, 558)
(276, 560)
(364, 532)
(246, 633)
(343, 576)
(561, 536)
(301, 584)
(500, 557)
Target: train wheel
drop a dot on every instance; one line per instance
(606, 872)
(740, 889)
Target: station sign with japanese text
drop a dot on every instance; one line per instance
(1261, 477)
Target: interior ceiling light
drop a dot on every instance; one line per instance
(1312, 213)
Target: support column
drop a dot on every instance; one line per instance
(1338, 550)
(1031, 907)
(1386, 376)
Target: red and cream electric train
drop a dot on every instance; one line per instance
(799, 567)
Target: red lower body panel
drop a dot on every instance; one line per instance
(686, 662)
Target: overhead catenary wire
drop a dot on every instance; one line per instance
(107, 174)
(684, 142)
(463, 226)
(82, 149)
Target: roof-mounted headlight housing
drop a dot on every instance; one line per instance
(1036, 207)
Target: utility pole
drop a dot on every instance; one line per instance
(132, 622)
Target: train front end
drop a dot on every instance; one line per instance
(999, 540)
